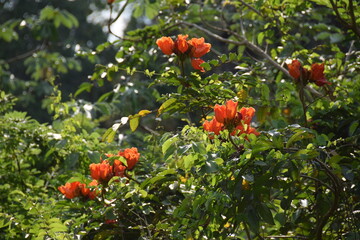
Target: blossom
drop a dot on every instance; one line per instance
(102, 172)
(119, 168)
(195, 63)
(317, 74)
(183, 48)
(199, 47)
(181, 44)
(225, 113)
(110, 1)
(213, 126)
(131, 155)
(166, 44)
(247, 114)
(244, 127)
(295, 69)
(87, 192)
(247, 129)
(70, 190)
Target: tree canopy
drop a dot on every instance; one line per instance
(233, 119)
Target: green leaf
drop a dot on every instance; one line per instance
(223, 58)
(354, 125)
(58, 227)
(166, 145)
(265, 213)
(108, 136)
(206, 66)
(260, 38)
(83, 87)
(163, 108)
(134, 121)
(298, 136)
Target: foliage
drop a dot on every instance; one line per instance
(296, 176)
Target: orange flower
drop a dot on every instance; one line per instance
(247, 114)
(226, 113)
(119, 168)
(101, 171)
(70, 190)
(247, 129)
(317, 74)
(295, 69)
(181, 43)
(110, 1)
(131, 155)
(87, 192)
(166, 44)
(196, 64)
(213, 126)
(199, 47)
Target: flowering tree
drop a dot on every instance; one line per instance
(234, 120)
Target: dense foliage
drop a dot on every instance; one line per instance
(204, 120)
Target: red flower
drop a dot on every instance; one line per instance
(247, 114)
(213, 126)
(102, 172)
(131, 155)
(70, 190)
(181, 44)
(110, 1)
(226, 113)
(199, 47)
(87, 192)
(247, 129)
(196, 64)
(317, 74)
(119, 168)
(295, 69)
(166, 44)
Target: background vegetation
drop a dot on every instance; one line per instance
(69, 95)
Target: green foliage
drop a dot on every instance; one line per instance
(299, 178)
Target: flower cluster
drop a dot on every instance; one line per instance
(183, 48)
(104, 171)
(227, 117)
(101, 173)
(315, 74)
(78, 189)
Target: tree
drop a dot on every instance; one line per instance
(224, 120)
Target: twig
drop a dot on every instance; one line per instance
(130, 178)
(319, 181)
(24, 55)
(250, 7)
(352, 26)
(252, 47)
(287, 236)
(337, 188)
(120, 12)
(247, 231)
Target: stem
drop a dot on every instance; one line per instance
(244, 42)
(302, 99)
(130, 178)
(182, 68)
(247, 231)
(233, 143)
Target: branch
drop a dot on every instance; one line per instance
(287, 236)
(337, 188)
(319, 181)
(352, 26)
(24, 55)
(252, 47)
(250, 7)
(121, 11)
